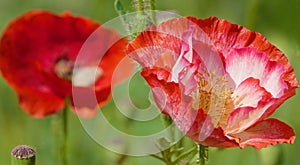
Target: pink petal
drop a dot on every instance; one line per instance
(244, 117)
(270, 131)
(272, 79)
(247, 62)
(249, 93)
(244, 63)
(187, 79)
(186, 55)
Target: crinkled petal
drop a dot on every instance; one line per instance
(247, 62)
(265, 133)
(244, 117)
(249, 93)
(170, 98)
(166, 94)
(214, 137)
(172, 102)
(227, 36)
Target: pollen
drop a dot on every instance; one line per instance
(214, 98)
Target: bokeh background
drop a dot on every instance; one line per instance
(277, 20)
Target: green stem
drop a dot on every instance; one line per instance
(124, 18)
(60, 132)
(22, 155)
(140, 5)
(203, 154)
(191, 151)
(167, 121)
(152, 4)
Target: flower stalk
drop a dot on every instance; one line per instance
(23, 155)
(60, 133)
(138, 5)
(203, 154)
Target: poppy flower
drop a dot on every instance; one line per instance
(218, 81)
(38, 58)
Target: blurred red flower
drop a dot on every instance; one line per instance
(38, 52)
(218, 81)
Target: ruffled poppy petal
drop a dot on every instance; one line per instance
(160, 46)
(261, 135)
(249, 93)
(213, 138)
(163, 91)
(227, 36)
(171, 101)
(251, 101)
(247, 62)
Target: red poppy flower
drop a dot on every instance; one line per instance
(38, 51)
(218, 81)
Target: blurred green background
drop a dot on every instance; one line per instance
(278, 20)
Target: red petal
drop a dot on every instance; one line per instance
(270, 131)
(40, 103)
(214, 138)
(86, 102)
(163, 91)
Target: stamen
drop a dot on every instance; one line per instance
(214, 97)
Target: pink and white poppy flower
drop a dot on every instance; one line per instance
(218, 81)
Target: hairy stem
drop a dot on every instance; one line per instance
(203, 154)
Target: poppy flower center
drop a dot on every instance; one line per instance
(63, 68)
(79, 76)
(214, 98)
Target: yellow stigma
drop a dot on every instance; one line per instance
(214, 98)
